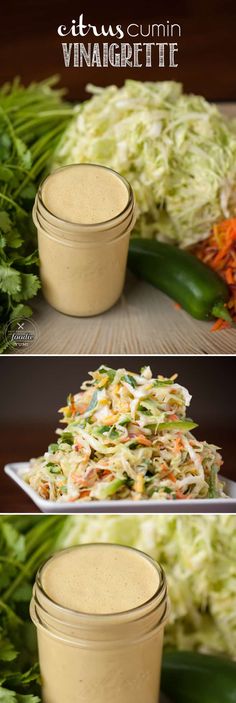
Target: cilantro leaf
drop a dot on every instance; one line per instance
(29, 285)
(10, 280)
(27, 699)
(6, 174)
(7, 650)
(5, 146)
(5, 222)
(29, 192)
(23, 153)
(20, 311)
(2, 241)
(15, 542)
(14, 239)
(7, 696)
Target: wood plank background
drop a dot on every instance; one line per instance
(144, 321)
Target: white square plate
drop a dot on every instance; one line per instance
(214, 505)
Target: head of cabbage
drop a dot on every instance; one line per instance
(198, 555)
(177, 151)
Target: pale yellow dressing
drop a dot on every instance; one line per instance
(87, 194)
(100, 579)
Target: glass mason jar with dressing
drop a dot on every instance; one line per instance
(100, 611)
(84, 214)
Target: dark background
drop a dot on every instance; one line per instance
(31, 47)
(33, 388)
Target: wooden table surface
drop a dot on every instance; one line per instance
(144, 321)
(20, 445)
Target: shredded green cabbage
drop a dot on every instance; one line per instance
(177, 151)
(198, 555)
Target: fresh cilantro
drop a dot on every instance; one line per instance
(29, 285)
(28, 138)
(5, 222)
(10, 280)
(25, 541)
(20, 311)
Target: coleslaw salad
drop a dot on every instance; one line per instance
(127, 437)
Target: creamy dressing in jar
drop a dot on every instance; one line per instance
(100, 612)
(87, 195)
(96, 584)
(84, 214)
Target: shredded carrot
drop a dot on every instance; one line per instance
(141, 439)
(78, 446)
(180, 495)
(44, 490)
(72, 405)
(229, 277)
(82, 409)
(219, 325)
(110, 420)
(219, 252)
(167, 473)
(172, 476)
(178, 445)
(177, 306)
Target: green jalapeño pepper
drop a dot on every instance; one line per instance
(179, 274)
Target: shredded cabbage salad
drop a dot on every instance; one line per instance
(198, 553)
(177, 151)
(127, 437)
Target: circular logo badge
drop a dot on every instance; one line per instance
(21, 334)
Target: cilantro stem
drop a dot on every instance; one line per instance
(8, 610)
(41, 162)
(13, 203)
(40, 548)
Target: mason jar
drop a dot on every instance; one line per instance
(108, 657)
(83, 264)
